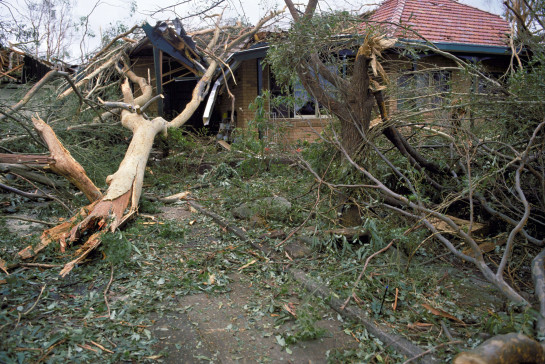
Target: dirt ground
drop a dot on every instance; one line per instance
(221, 329)
(225, 328)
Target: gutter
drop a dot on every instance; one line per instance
(214, 93)
(252, 53)
(463, 47)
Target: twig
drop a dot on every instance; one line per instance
(314, 207)
(107, 289)
(27, 219)
(37, 140)
(394, 307)
(153, 99)
(49, 350)
(45, 194)
(23, 193)
(35, 303)
(39, 265)
(431, 350)
(101, 347)
(363, 270)
(538, 278)
(383, 298)
(103, 50)
(87, 347)
(447, 332)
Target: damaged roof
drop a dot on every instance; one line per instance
(22, 67)
(171, 38)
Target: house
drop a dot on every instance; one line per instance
(252, 78)
(468, 33)
(465, 31)
(168, 51)
(18, 67)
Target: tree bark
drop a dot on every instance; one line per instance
(63, 163)
(513, 348)
(538, 275)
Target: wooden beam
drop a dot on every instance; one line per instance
(158, 63)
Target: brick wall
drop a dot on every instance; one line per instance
(459, 83)
(290, 131)
(280, 131)
(245, 91)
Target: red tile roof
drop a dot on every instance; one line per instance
(445, 21)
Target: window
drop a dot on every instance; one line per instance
(420, 90)
(482, 86)
(295, 103)
(279, 108)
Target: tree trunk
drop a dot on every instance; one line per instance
(511, 348)
(125, 186)
(61, 161)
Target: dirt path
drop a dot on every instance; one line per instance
(232, 327)
(225, 329)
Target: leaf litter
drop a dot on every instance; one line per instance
(182, 266)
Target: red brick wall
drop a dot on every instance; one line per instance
(290, 131)
(245, 92)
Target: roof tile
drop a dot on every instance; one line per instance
(440, 20)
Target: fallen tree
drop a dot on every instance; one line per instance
(493, 177)
(120, 202)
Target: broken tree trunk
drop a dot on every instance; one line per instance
(62, 162)
(511, 348)
(125, 186)
(109, 212)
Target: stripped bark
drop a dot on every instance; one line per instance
(63, 163)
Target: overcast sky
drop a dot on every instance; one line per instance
(109, 12)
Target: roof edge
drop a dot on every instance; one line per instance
(467, 48)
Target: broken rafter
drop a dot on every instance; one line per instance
(6, 74)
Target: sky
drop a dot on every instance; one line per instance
(108, 12)
(111, 11)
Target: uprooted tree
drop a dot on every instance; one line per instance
(109, 211)
(486, 160)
